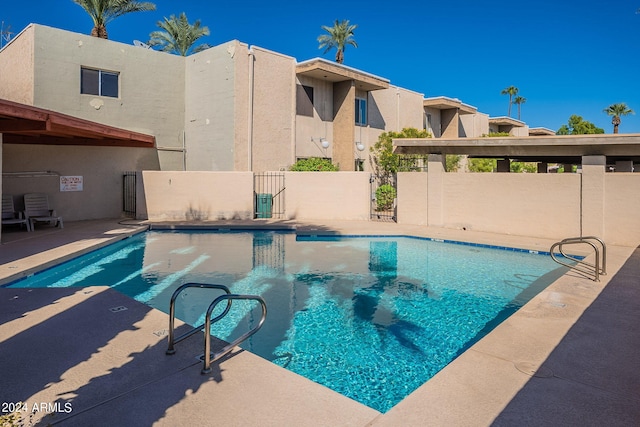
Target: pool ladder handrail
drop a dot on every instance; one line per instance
(229, 297)
(596, 269)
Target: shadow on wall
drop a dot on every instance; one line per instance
(376, 120)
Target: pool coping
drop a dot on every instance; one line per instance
(476, 388)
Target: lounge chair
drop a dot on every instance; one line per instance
(9, 214)
(36, 209)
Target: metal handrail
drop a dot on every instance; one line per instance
(172, 312)
(229, 297)
(596, 269)
(208, 357)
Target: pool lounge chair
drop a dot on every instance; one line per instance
(36, 209)
(9, 214)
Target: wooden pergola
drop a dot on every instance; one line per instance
(25, 124)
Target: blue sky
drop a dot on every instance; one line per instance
(566, 56)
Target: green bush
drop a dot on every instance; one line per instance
(313, 164)
(495, 134)
(385, 194)
(482, 165)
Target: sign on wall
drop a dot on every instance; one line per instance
(71, 183)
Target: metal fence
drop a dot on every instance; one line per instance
(383, 198)
(129, 194)
(412, 163)
(268, 189)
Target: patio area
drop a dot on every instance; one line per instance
(568, 357)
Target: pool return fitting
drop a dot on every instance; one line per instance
(206, 326)
(581, 266)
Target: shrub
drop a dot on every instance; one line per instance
(313, 164)
(385, 194)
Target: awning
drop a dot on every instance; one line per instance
(25, 124)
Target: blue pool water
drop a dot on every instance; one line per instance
(371, 318)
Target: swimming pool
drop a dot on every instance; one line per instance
(372, 318)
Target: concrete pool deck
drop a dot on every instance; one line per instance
(568, 357)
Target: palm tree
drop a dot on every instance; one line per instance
(104, 11)
(340, 35)
(519, 100)
(617, 110)
(511, 91)
(179, 35)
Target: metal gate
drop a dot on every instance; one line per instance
(129, 194)
(383, 198)
(268, 190)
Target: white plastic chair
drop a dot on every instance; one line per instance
(36, 209)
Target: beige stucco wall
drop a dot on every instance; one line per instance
(513, 203)
(622, 208)
(16, 68)
(318, 126)
(412, 198)
(327, 195)
(435, 121)
(474, 125)
(198, 195)
(150, 102)
(274, 98)
(100, 167)
(210, 104)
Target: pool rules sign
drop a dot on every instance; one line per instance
(71, 183)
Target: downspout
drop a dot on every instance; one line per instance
(250, 112)
(397, 109)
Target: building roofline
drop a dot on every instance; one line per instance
(322, 69)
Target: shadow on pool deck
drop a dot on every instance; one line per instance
(65, 345)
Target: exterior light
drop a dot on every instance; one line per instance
(324, 142)
(360, 146)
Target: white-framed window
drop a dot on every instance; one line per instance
(361, 111)
(99, 82)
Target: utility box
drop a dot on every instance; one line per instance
(264, 205)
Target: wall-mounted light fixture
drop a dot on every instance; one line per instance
(359, 146)
(323, 142)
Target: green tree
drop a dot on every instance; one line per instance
(104, 11)
(179, 35)
(511, 91)
(385, 161)
(577, 126)
(340, 35)
(482, 165)
(617, 110)
(519, 100)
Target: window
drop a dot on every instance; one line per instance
(361, 111)
(98, 82)
(304, 100)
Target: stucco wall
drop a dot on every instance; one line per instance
(513, 203)
(318, 126)
(273, 111)
(474, 125)
(198, 195)
(412, 198)
(327, 195)
(210, 102)
(100, 167)
(16, 68)
(622, 208)
(150, 101)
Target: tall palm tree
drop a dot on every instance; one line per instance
(617, 110)
(179, 35)
(104, 11)
(519, 100)
(340, 35)
(511, 91)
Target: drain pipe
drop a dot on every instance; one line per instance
(250, 112)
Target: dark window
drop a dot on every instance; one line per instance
(361, 111)
(304, 100)
(98, 82)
